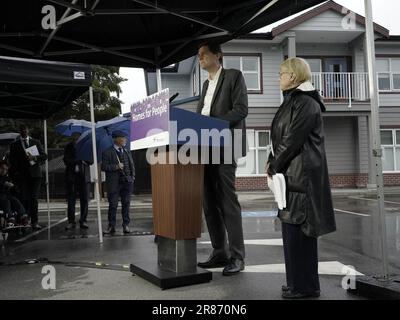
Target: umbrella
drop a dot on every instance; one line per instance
(104, 130)
(71, 126)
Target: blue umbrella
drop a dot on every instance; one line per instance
(71, 126)
(104, 130)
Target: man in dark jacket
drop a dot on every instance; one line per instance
(117, 162)
(26, 171)
(77, 179)
(224, 96)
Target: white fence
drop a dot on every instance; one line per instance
(351, 87)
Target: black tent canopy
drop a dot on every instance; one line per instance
(36, 89)
(132, 33)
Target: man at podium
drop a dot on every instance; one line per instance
(224, 96)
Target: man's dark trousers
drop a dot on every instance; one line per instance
(78, 185)
(124, 190)
(30, 187)
(222, 210)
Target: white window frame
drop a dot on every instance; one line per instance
(391, 74)
(258, 72)
(256, 148)
(395, 145)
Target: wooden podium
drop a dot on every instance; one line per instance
(177, 194)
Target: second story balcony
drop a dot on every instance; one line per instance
(342, 87)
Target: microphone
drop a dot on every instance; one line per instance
(173, 97)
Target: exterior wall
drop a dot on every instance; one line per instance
(340, 145)
(175, 83)
(390, 116)
(323, 49)
(326, 21)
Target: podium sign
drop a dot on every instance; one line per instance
(150, 121)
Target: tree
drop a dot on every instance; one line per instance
(106, 90)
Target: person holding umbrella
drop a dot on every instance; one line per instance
(77, 180)
(117, 162)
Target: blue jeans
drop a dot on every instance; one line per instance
(124, 191)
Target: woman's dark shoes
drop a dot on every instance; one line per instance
(214, 262)
(234, 267)
(293, 295)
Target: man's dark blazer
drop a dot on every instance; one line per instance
(229, 102)
(19, 162)
(71, 161)
(108, 165)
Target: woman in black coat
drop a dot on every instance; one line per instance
(299, 154)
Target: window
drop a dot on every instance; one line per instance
(255, 161)
(250, 67)
(388, 74)
(390, 140)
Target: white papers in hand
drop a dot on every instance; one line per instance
(278, 187)
(34, 152)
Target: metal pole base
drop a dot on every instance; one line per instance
(175, 266)
(372, 287)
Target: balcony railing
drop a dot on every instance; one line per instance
(342, 87)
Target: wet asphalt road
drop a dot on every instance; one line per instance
(356, 243)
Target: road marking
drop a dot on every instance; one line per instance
(334, 268)
(353, 213)
(260, 242)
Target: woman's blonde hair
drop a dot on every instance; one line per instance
(299, 67)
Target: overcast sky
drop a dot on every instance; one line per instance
(385, 13)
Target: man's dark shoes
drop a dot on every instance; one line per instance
(110, 230)
(83, 225)
(214, 262)
(293, 295)
(70, 226)
(234, 267)
(126, 229)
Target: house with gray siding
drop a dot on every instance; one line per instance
(332, 39)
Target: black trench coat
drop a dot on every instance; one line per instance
(299, 153)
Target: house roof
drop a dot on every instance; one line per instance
(394, 38)
(329, 5)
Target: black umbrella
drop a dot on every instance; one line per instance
(131, 33)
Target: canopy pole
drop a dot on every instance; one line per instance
(376, 137)
(159, 84)
(47, 178)
(96, 173)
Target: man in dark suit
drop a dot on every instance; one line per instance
(117, 162)
(77, 179)
(26, 172)
(224, 96)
